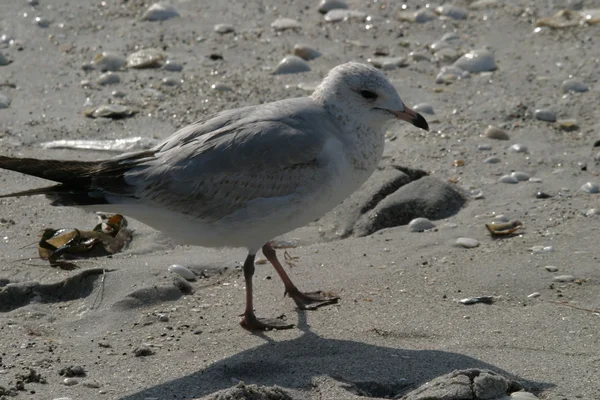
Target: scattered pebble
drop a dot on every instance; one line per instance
(338, 15)
(327, 5)
(542, 195)
(282, 24)
(520, 176)
(592, 212)
(493, 132)
(142, 351)
(108, 61)
(450, 73)
(420, 225)
(108, 78)
(91, 384)
(70, 381)
(114, 111)
(424, 108)
(534, 295)
(492, 160)
(4, 60)
(551, 268)
(174, 66)
(182, 271)
(448, 40)
(146, 58)
(564, 278)
(573, 85)
(291, 65)
(475, 300)
(452, 11)
(421, 16)
(170, 81)
(539, 249)
(522, 396)
(305, 52)
(569, 124)
(590, 187)
(476, 194)
(476, 61)
(42, 22)
(508, 179)
(388, 63)
(221, 87)
(224, 28)
(160, 12)
(4, 101)
(481, 4)
(545, 114)
(308, 86)
(467, 242)
(484, 147)
(519, 148)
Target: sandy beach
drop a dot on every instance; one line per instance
(124, 327)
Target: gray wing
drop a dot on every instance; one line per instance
(214, 167)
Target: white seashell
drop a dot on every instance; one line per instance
(475, 61)
(282, 24)
(590, 187)
(305, 52)
(327, 5)
(160, 12)
(507, 179)
(534, 295)
(291, 65)
(519, 148)
(467, 242)
(146, 58)
(420, 225)
(183, 272)
(539, 249)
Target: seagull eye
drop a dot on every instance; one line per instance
(367, 94)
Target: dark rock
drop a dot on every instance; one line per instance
(542, 195)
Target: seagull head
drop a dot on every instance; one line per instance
(364, 93)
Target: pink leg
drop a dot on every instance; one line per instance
(304, 301)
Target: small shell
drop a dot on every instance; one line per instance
(108, 78)
(420, 225)
(507, 179)
(519, 148)
(493, 132)
(183, 272)
(305, 52)
(520, 176)
(282, 24)
(114, 111)
(160, 12)
(590, 187)
(4, 60)
(291, 65)
(467, 242)
(224, 28)
(479, 299)
(4, 101)
(221, 87)
(503, 229)
(146, 58)
(492, 160)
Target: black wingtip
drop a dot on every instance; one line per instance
(420, 122)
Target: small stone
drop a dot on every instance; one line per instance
(142, 351)
(115, 111)
(327, 5)
(493, 132)
(452, 11)
(338, 15)
(448, 40)
(182, 271)
(522, 396)
(492, 160)
(573, 85)
(308, 86)
(282, 24)
(4, 60)
(221, 87)
(467, 242)
(592, 212)
(160, 12)
(291, 65)
(174, 66)
(508, 179)
(91, 384)
(224, 28)
(568, 124)
(70, 381)
(542, 195)
(450, 73)
(4, 101)
(42, 22)
(387, 63)
(539, 249)
(423, 15)
(482, 4)
(484, 147)
(590, 187)
(170, 81)
(108, 78)
(564, 278)
(476, 61)
(305, 52)
(424, 108)
(479, 299)
(108, 61)
(534, 295)
(476, 194)
(519, 148)
(551, 268)
(420, 225)
(146, 58)
(545, 114)
(520, 176)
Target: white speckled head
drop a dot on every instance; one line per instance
(365, 94)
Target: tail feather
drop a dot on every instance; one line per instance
(73, 173)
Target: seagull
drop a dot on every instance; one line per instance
(242, 177)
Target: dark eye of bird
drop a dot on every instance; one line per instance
(367, 94)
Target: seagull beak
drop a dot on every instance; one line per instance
(411, 116)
